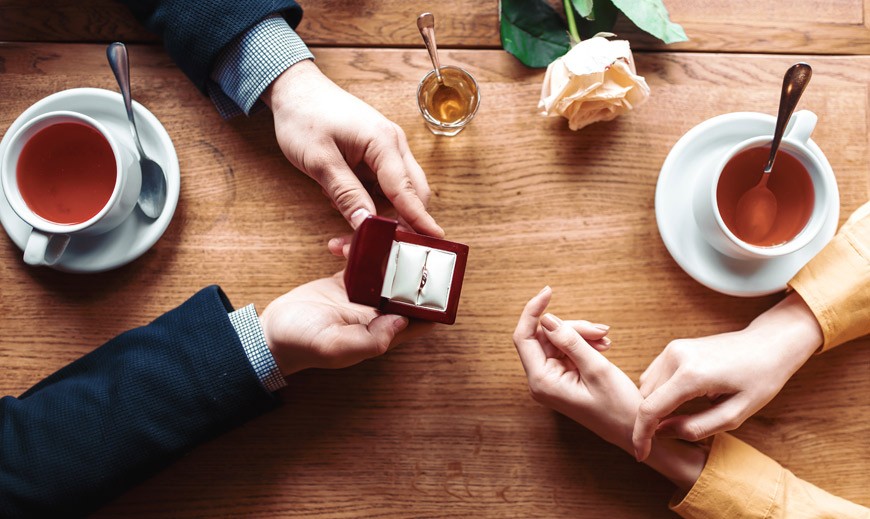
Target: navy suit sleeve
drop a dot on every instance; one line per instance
(115, 416)
(195, 31)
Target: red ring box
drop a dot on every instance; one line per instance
(371, 262)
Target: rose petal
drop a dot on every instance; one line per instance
(595, 81)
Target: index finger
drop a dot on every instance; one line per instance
(397, 185)
(528, 347)
(415, 173)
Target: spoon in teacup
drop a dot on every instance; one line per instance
(756, 209)
(152, 196)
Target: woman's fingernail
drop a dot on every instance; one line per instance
(606, 341)
(544, 289)
(602, 327)
(358, 216)
(550, 322)
(333, 242)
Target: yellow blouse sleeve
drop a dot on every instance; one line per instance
(739, 481)
(836, 283)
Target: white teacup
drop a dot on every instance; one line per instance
(706, 208)
(48, 239)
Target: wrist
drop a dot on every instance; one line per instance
(282, 87)
(679, 461)
(284, 365)
(792, 328)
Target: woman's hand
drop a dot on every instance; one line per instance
(739, 372)
(568, 374)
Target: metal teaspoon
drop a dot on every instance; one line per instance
(152, 197)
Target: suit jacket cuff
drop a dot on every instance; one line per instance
(251, 62)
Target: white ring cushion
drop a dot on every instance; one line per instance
(405, 273)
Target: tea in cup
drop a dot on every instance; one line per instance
(64, 174)
(799, 182)
(449, 106)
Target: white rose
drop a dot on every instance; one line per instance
(595, 81)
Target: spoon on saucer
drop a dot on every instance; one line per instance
(152, 196)
(756, 209)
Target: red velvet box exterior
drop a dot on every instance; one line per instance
(367, 265)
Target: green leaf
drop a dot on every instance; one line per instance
(583, 7)
(532, 31)
(652, 17)
(601, 19)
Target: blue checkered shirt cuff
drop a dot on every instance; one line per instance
(251, 62)
(247, 325)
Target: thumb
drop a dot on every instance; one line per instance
(375, 338)
(393, 177)
(724, 416)
(352, 344)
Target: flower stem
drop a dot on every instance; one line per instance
(572, 24)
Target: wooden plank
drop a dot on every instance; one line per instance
(806, 26)
(444, 426)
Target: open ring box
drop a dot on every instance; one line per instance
(405, 273)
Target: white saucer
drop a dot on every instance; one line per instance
(137, 233)
(699, 150)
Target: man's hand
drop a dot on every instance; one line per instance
(348, 147)
(315, 326)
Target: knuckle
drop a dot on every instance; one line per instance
(403, 188)
(406, 186)
(692, 373)
(646, 411)
(383, 129)
(679, 348)
(694, 432)
(323, 167)
(566, 338)
(346, 198)
(424, 192)
(732, 420)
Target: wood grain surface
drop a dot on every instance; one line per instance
(780, 26)
(444, 426)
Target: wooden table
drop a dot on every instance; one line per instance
(444, 426)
